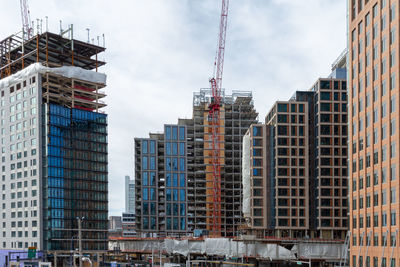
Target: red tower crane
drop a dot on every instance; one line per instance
(214, 117)
(26, 19)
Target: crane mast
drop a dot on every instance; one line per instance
(26, 20)
(214, 118)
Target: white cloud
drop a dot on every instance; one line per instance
(159, 52)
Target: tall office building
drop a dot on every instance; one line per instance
(173, 170)
(129, 195)
(53, 144)
(373, 64)
(295, 165)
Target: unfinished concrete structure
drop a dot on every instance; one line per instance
(174, 180)
(295, 165)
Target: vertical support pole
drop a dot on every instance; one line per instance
(97, 98)
(72, 44)
(9, 57)
(55, 259)
(152, 255)
(80, 240)
(159, 250)
(47, 88)
(23, 48)
(97, 65)
(73, 93)
(37, 48)
(47, 48)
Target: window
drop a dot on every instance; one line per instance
(383, 174)
(393, 195)
(383, 131)
(383, 66)
(392, 150)
(384, 153)
(383, 200)
(383, 22)
(392, 127)
(392, 35)
(392, 12)
(392, 81)
(393, 172)
(282, 107)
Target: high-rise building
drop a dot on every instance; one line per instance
(373, 65)
(295, 165)
(53, 144)
(129, 195)
(173, 170)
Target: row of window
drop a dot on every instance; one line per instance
(284, 118)
(384, 220)
(294, 222)
(172, 133)
(16, 244)
(361, 126)
(19, 184)
(336, 107)
(376, 158)
(383, 179)
(294, 130)
(293, 203)
(375, 260)
(282, 141)
(375, 94)
(293, 107)
(328, 96)
(20, 224)
(326, 117)
(149, 147)
(375, 199)
(20, 214)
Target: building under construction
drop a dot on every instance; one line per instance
(174, 170)
(53, 143)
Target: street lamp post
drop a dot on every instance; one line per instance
(72, 250)
(80, 219)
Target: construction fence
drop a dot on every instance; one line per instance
(230, 248)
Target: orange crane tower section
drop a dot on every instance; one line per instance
(214, 119)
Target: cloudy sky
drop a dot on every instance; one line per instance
(161, 51)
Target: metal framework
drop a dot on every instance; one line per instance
(214, 117)
(53, 50)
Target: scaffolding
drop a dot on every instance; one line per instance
(52, 50)
(237, 114)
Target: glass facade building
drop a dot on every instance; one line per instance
(149, 183)
(176, 189)
(75, 170)
(175, 170)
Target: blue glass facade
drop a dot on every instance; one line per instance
(75, 182)
(149, 184)
(175, 181)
